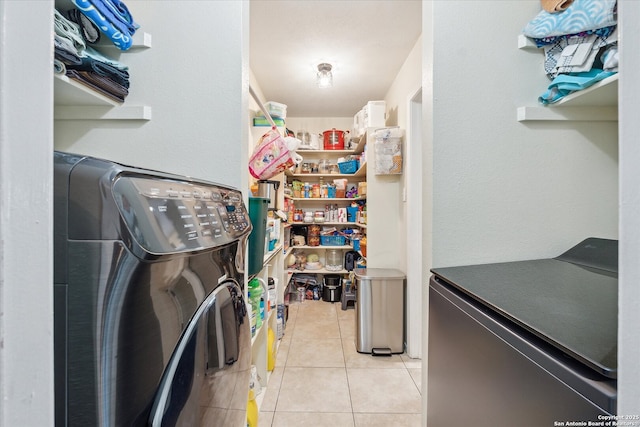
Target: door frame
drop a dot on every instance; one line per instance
(413, 214)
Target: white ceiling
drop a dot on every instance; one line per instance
(366, 42)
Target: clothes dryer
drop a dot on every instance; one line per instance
(150, 322)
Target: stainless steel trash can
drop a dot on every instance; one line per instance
(380, 318)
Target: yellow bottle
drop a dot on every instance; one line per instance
(252, 410)
(271, 350)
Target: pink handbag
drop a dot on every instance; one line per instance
(271, 156)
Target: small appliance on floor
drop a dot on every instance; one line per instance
(332, 288)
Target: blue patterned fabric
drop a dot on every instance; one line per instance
(116, 13)
(602, 32)
(112, 18)
(582, 15)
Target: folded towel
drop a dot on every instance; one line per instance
(122, 9)
(64, 51)
(581, 15)
(116, 31)
(555, 6)
(102, 69)
(89, 30)
(103, 85)
(68, 30)
(59, 67)
(116, 12)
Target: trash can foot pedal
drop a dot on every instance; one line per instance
(381, 352)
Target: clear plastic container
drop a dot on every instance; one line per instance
(334, 260)
(323, 166)
(276, 109)
(388, 148)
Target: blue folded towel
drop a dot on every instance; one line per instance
(566, 84)
(109, 18)
(116, 14)
(582, 15)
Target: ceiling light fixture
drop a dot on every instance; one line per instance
(324, 77)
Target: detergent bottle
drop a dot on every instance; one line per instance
(252, 410)
(255, 295)
(271, 350)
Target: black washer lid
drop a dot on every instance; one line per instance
(566, 301)
(601, 254)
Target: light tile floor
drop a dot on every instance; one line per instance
(321, 380)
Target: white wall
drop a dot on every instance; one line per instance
(506, 190)
(404, 195)
(406, 83)
(428, 37)
(199, 128)
(629, 291)
(26, 212)
(195, 77)
(387, 231)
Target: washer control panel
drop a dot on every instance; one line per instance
(167, 216)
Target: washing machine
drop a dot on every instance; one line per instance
(150, 323)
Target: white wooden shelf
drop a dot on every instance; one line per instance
(595, 103)
(263, 327)
(141, 40)
(271, 254)
(318, 271)
(361, 172)
(75, 101)
(526, 43)
(322, 247)
(340, 224)
(70, 92)
(326, 199)
(336, 152)
(68, 112)
(577, 114)
(602, 94)
(362, 140)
